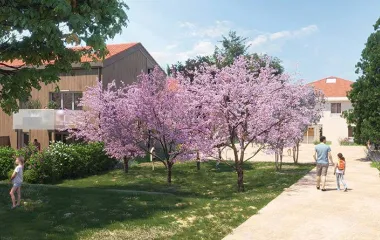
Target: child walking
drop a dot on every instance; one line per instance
(340, 169)
(17, 178)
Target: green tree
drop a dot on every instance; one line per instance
(232, 46)
(365, 93)
(190, 65)
(36, 34)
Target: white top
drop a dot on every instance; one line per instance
(19, 175)
(339, 171)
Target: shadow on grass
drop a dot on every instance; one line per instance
(187, 181)
(60, 213)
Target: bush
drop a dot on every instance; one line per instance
(27, 152)
(65, 161)
(31, 176)
(347, 142)
(7, 160)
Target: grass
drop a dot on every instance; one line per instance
(198, 205)
(376, 165)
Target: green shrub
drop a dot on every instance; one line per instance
(7, 159)
(347, 142)
(10, 173)
(31, 176)
(65, 161)
(27, 152)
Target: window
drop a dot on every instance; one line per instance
(62, 137)
(66, 100)
(350, 131)
(150, 70)
(336, 108)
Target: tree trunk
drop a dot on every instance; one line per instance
(280, 155)
(296, 149)
(198, 162)
(126, 167)
(219, 158)
(240, 181)
(170, 165)
(276, 158)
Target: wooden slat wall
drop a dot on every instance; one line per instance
(78, 81)
(6, 128)
(126, 69)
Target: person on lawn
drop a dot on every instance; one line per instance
(17, 178)
(340, 169)
(321, 156)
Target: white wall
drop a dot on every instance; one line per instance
(334, 126)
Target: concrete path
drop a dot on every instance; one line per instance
(302, 212)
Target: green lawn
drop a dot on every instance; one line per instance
(376, 165)
(198, 205)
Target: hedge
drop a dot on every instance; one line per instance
(67, 161)
(59, 161)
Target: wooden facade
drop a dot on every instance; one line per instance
(124, 66)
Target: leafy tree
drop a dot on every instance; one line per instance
(190, 65)
(34, 35)
(365, 93)
(233, 46)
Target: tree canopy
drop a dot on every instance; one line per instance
(34, 35)
(232, 46)
(365, 93)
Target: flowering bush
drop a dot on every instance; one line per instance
(347, 142)
(64, 161)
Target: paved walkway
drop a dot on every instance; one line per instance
(302, 212)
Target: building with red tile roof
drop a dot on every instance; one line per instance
(123, 63)
(332, 125)
(113, 49)
(333, 86)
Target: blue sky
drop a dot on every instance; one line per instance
(314, 39)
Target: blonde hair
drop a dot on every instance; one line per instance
(21, 159)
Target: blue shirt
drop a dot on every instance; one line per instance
(322, 153)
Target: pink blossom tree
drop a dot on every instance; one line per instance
(88, 124)
(301, 107)
(153, 108)
(240, 107)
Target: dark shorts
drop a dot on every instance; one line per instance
(322, 169)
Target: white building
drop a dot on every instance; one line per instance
(332, 125)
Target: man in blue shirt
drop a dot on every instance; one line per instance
(322, 155)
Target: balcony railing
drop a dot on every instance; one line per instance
(42, 119)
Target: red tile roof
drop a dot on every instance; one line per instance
(113, 49)
(337, 89)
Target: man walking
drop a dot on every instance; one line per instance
(321, 156)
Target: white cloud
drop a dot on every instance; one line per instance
(171, 46)
(214, 31)
(258, 40)
(186, 25)
(270, 37)
(201, 48)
